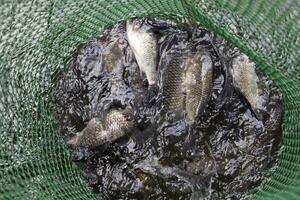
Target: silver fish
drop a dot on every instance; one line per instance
(246, 81)
(186, 84)
(144, 46)
(104, 130)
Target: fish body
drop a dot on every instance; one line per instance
(246, 81)
(143, 43)
(186, 84)
(172, 79)
(198, 83)
(104, 130)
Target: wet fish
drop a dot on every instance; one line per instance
(143, 43)
(171, 84)
(104, 130)
(186, 84)
(246, 81)
(198, 83)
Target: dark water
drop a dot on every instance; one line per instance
(224, 155)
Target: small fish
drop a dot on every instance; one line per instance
(186, 84)
(143, 43)
(104, 130)
(245, 80)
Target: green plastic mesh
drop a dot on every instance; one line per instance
(38, 37)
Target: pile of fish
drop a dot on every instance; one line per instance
(168, 112)
(185, 80)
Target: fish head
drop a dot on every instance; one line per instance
(138, 26)
(134, 25)
(75, 140)
(127, 114)
(122, 117)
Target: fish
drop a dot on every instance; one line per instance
(104, 130)
(171, 85)
(143, 43)
(186, 84)
(245, 81)
(198, 83)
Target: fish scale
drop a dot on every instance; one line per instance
(144, 46)
(103, 130)
(186, 83)
(199, 69)
(171, 83)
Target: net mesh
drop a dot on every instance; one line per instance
(38, 37)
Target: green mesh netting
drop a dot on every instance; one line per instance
(37, 38)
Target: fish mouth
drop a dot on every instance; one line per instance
(136, 24)
(128, 115)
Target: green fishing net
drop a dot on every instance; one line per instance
(38, 37)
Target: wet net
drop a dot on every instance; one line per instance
(38, 37)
